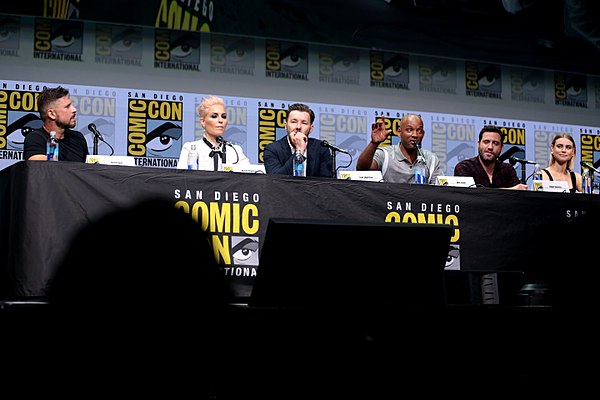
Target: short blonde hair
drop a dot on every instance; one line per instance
(208, 102)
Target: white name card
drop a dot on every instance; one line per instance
(551, 186)
(456, 181)
(373, 176)
(110, 160)
(245, 168)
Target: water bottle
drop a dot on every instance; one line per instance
(419, 176)
(419, 172)
(52, 147)
(193, 158)
(586, 181)
(537, 177)
(419, 165)
(299, 164)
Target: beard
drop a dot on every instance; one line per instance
(486, 160)
(66, 125)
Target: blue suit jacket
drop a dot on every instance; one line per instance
(278, 158)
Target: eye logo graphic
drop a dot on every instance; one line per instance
(437, 75)
(339, 66)
(16, 131)
(118, 45)
(154, 131)
(389, 70)
(527, 85)
(58, 39)
(570, 90)
(286, 60)
(18, 117)
(244, 250)
(483, 80)
(10, 33)
(176, 50)
(164, 140)
(232, 55)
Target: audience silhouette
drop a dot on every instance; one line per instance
(139, 303)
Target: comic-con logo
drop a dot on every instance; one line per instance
(118, 45)
(271, 127)
(590, 149)
(339, 65)
(231, 55)
(570, 90)
(389, 70)
(285, 60)
(176, 50)
(437, 75)
(18, 116)
(483, 80)
(527, 85)
(232, 220)
(58, 39)
(347, 130)
(10, 37)
(154, 130)
(453, 141)
(97, 107)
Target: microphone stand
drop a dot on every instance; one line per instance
(523, 178)
(523, 174)
(333, 173)
(95, 150)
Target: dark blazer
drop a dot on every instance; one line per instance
(278, 158)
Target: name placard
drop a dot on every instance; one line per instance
(245, 168)
(551, 186)
(373, 176)
(110, 160)
(456, 181)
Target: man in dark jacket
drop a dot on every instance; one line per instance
(278, 156)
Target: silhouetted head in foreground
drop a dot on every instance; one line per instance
(139, 287)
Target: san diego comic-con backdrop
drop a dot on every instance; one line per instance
(152, 126)
(140, 86)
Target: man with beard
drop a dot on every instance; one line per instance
(59, 115)
(485, 168)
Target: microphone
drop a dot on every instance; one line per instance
(513, 160)
(325, 143)
(589, 166)
(92, 128)
(223, 141)
(420, 155)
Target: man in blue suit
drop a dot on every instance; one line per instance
(278, 155)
